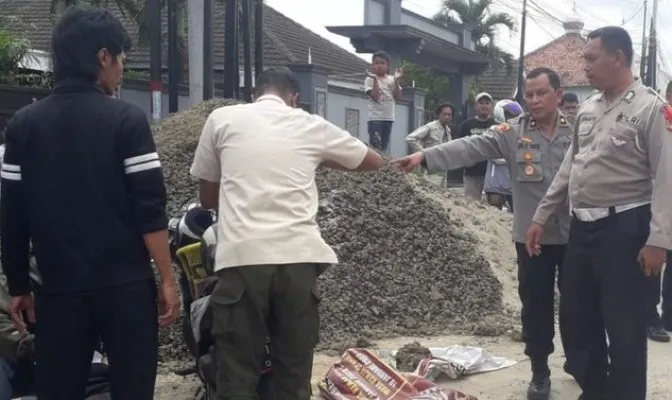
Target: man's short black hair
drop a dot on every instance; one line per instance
(79, 35)
(381, 54)
(669, 88)
(441, 106)
(613, 39)
(278, 79)
(552, 76)
(569, 97)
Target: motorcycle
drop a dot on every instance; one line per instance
(193, 240)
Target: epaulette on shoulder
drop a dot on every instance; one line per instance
(519, 119)
(652, 92)
(593, 95)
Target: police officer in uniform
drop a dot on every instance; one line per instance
(619, 180)
(659, 324)
(534, 146)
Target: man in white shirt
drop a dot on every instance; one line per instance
(256, 164)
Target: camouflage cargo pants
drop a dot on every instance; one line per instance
(253, 302)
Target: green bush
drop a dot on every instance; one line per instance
(12, 51)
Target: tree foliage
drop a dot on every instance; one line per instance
(485, 22)
(13, 51)
(436, 84)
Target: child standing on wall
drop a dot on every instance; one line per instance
(383, 90)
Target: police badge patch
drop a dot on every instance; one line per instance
(503, 127)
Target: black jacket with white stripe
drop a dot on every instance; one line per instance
(81, 179)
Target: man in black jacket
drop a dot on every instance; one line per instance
(82, 181)
(474, 176)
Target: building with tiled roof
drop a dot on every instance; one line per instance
(285, 41)
(563, 55)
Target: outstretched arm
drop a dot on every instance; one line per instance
(467, 151)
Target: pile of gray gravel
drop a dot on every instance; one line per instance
(406, 267)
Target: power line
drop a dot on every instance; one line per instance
(540, 25)
(634, 15)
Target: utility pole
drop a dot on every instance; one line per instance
(521, 56)
(231, 66)
(258, 37)
(247, 50)
(154, 28)
(208, 68)
(173, 57)
(643, 67)
(642, 63)
(653, 48)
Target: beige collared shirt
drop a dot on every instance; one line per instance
(428, 135)
(623, 157)
(264, 155)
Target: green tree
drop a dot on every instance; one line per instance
(436, 84)
(12, 51)
(477, 13)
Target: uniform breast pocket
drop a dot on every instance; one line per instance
(621, 140)
(584, 134)
(434, 136)
(528, 166)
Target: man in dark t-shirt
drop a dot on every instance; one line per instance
(474, 176)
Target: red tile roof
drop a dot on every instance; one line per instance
(564, 56)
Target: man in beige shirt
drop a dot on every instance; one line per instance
(256, 164)
(618, 180)
(432, 134)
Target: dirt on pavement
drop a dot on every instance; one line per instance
(507, 384)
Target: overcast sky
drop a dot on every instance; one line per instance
(544, 22)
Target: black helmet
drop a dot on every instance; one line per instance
(192, 225)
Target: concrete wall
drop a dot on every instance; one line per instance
(142, 99)
(342, 110)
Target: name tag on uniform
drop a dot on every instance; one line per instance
(627, 119)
